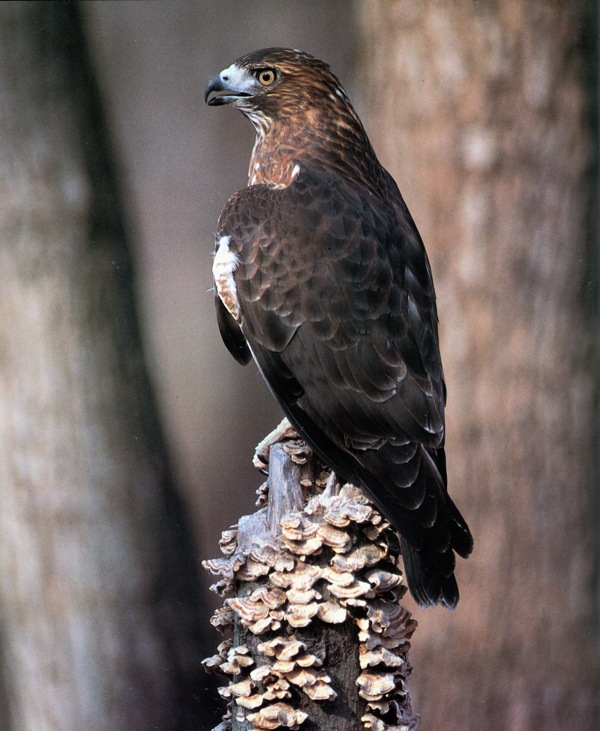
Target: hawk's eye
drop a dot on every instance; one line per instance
(266, 76)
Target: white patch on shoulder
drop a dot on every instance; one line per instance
(224, 265)
(295, 172)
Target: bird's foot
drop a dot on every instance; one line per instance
(282, 431)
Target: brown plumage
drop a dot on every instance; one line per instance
(322, 277)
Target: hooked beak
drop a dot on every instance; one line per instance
(223, 90)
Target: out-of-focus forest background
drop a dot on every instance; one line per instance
(127, 430)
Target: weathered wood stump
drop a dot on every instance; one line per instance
(312, 585)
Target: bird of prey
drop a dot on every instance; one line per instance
(322, 278)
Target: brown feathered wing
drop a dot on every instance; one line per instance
(338, 309)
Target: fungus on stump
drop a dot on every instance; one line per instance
(311, 585)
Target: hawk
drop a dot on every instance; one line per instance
(322, 278)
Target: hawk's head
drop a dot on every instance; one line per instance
(301, 115)
(275, 83)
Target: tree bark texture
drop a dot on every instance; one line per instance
(483, 114)
(312, 598)
(98, 607)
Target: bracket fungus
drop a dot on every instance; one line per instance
(330, 565)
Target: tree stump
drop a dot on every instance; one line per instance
(311, 585)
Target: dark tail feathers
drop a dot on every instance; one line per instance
(426, 582)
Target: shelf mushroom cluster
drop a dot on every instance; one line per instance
(333, 562)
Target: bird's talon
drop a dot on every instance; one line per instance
(284, 430)
(261, 462)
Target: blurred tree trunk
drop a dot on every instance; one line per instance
(483, 113)
(98, 607)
